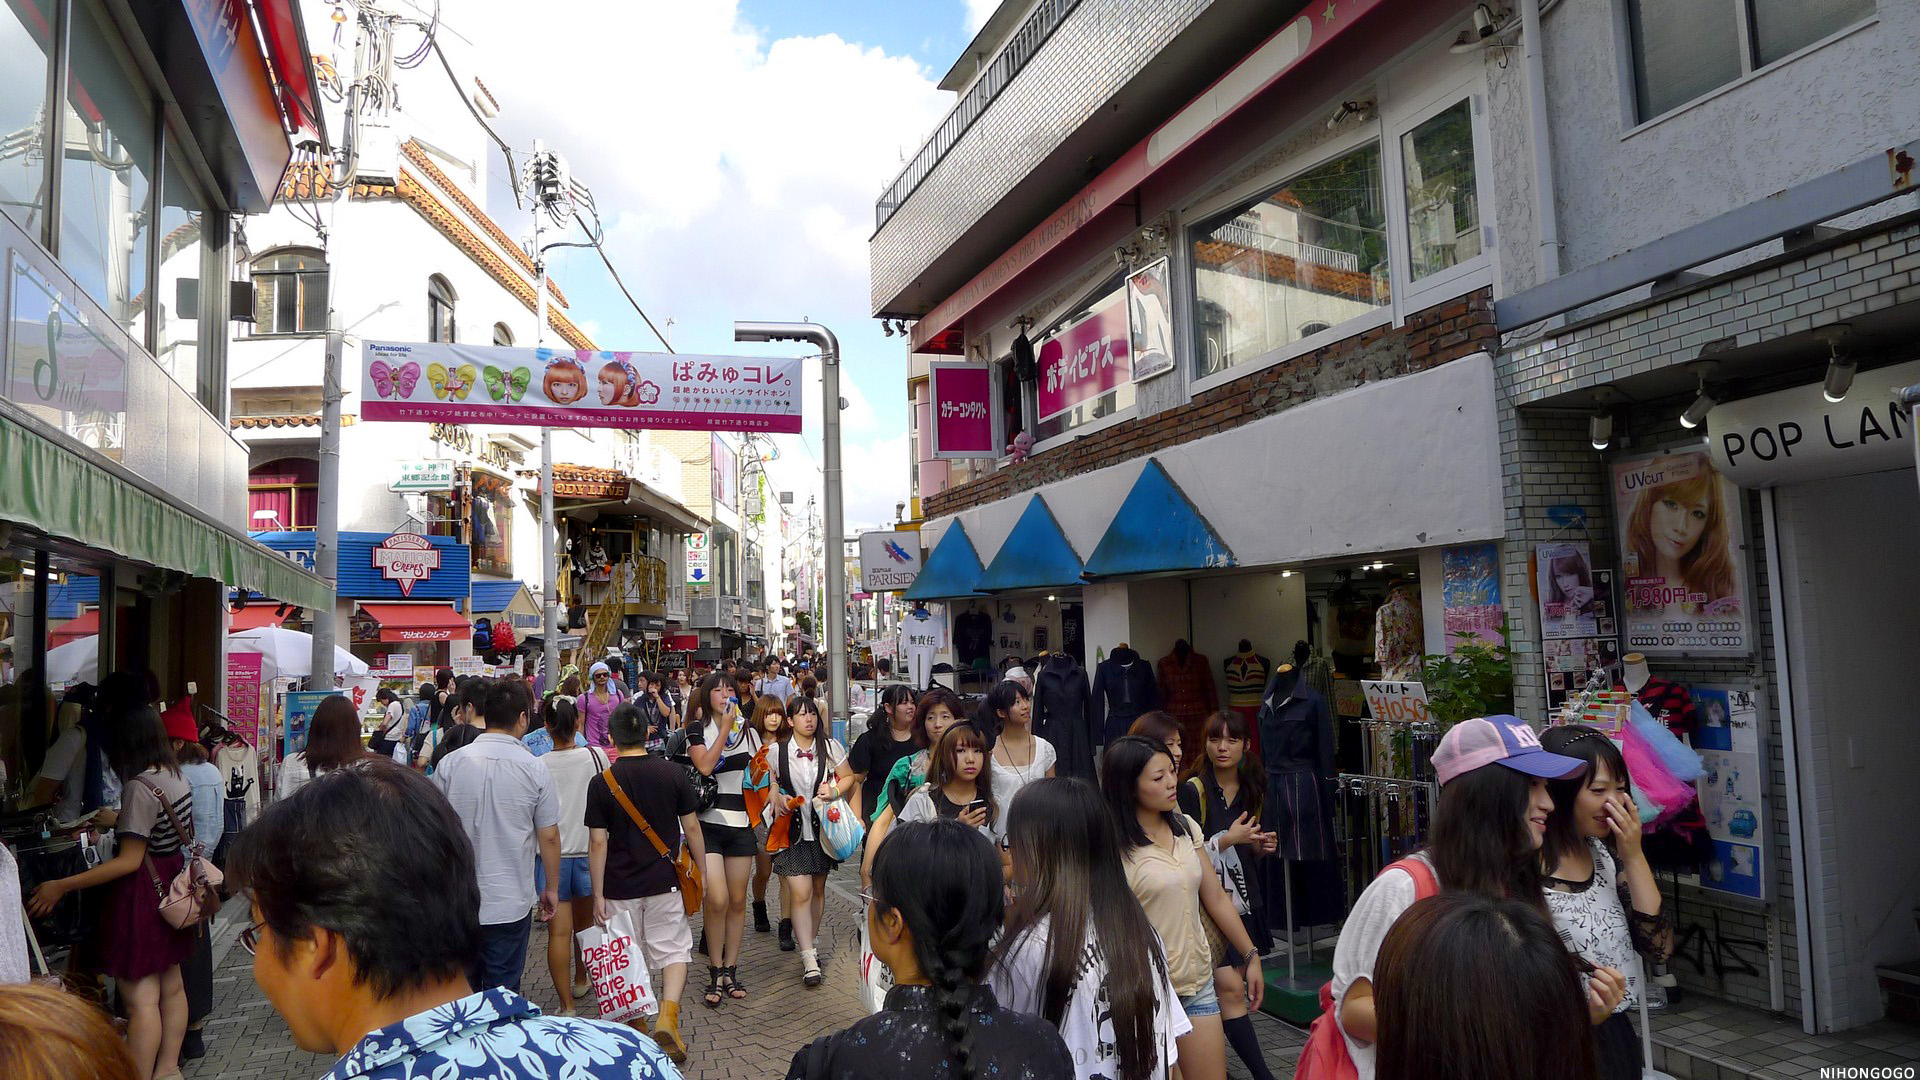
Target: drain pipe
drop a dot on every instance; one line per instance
(1545, 216)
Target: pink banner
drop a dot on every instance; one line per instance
(1088, 360)
(962, 410)
(243, 695)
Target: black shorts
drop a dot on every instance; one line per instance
(727, 840)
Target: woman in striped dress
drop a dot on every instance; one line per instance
(721, 744)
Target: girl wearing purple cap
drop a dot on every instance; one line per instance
(1487, 832)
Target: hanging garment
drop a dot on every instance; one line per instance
(972, 640)
(1123, 688)
(1187, 691)
(921, 636)
(1247, 674)
(1398, 636)
(1063, 715)
(1296, 728)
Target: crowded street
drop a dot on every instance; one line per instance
(962, 539)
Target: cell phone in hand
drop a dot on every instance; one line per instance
(977, 804)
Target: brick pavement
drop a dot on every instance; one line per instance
(741, 1040)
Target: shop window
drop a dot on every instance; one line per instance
(106, 173)
(1443, 203)
(290, 292)
(25, 29)
(1102, 300)
(1311, 252)
(490, 524)
(1683, 49)
(440, 300)
(177, 302)
(1015, 395)
(283, 495)
(502, 336)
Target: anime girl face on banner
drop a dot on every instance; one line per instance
(1683, 557)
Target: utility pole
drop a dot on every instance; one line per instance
(326, 519)
(544, 167)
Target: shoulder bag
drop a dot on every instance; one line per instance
(1325, 1057)
(684, 868)
(194, 895)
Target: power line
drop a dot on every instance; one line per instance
(592, 234)
(513, 171)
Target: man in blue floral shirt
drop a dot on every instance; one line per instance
(365, 923)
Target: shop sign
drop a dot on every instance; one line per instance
(889, 560)
(698, 573)
(1683, 557)
(64, 366)
(1150, 299)
(417, 633)
(683, 642)
(439, 381)
(1732, 789)
(468, 665)
(1087, 360)
(1798, 435)
(590, 489)
(726, 474)
(299, 706)
(1397, 702)
(962, 397)
(406, 558)
(423, 476)
(460, 439)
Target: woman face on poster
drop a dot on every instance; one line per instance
(1678, 531)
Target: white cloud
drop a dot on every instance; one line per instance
(978, 12)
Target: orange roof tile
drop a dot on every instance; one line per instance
(1273, 266)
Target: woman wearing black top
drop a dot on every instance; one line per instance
(932, 925)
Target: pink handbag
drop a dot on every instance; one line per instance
(194, 894)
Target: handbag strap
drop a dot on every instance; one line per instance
(182, 833)
(633, 812)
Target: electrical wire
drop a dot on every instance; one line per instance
(595, 234)
(513, 170)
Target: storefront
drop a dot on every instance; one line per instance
(401, 595)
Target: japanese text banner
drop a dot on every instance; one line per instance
(1086, 360)
(411, 381)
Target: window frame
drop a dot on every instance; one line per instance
(1408, 294)
(1632, 123)
(440, 292)
(254, 272)
(502, 330)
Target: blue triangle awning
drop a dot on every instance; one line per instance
(1035, 555)
(1157, 530)
(952, 568)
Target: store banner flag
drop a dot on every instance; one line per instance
(243, 695)
(1683, 557)
(1088, 359)
(484, 384)
(962, 396)
(1470, 594)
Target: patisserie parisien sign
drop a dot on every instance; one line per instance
(439, 382)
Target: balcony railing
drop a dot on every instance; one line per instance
(1040, 25)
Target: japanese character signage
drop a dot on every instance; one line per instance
(1090, 358)
(406, 558)
(423, 476)
(561, 388)
(698, 572)
(1683, 557)
(962, 410)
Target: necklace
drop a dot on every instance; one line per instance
(1033, 751)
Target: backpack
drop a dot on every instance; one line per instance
(1325, 1056)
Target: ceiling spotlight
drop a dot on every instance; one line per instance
(1696, 413)
(1840, 367)
(1600, 428)
(1286, 573)
(886, 327)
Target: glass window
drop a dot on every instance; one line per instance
(283, 495)
(502, 336)
(440, 299)
(177, 302)
(106, 172)
(1443, 207)
(1312, 252)
(25, 27)
(1683, 49)
(290, 292)
(1783, 27)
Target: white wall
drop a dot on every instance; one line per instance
(1267, 609)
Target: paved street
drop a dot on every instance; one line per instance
(740, 1040)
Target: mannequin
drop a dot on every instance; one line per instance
(1063, 715)
(1634, 672)
(1398, 637)
(1123, 688)
(1247, 672)
(1186, 687)
(1296, 728)
(921, 636)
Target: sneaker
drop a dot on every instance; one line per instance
(760, 923)
(581, 990)
(786, 936)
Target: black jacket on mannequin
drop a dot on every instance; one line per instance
(1123, 688)
(1063, 715)
(1296, 745)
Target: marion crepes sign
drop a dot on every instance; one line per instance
(1087, 360)
(405, 559)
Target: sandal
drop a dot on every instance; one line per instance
(735, 989)
(715, 992)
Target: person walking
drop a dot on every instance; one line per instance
(138, 947)
(773, 682)
(959, 785)
(936, 711)
(571, 764)
(661, 715)
(721, 744)
(933, 926)
(638, 813)
(1019, 756)
(1078, 950)
(807, 768)
(358, 970)
(1161, 727)
(888, 738)
(209, 821)
(769, 718)
(1225, 791)
(597, 704)
(333, 742)
(508, 805)
(393, 723)
(466, 720)
(1167, 866)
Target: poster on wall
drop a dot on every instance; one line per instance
(1150, 303)
(1470, 595)
(962, 397)
(726, 474)
(299, 706)
(1732, 789)
(1086, 360)
(1569, 662)
(487, 384)
(1563, 580)
(491, 513)
(1683, 557)
(243, 695)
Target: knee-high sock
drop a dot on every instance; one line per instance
(1240, 1036)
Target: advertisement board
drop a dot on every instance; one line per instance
(423, 476)
(1470, 595)
(1683, 557)
(726, 474)
(417, 381)
(698, 572)
(1150, 300)
(1797, 435)
(889, 560)
(1087, 359)
(243, 695)
(1733, 789)
(962, 410)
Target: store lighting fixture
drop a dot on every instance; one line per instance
(1286, 573)
(1696, 413)
(1049, 596)
(1840, 367)
(1600, 428)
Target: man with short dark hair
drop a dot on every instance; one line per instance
(506, 800)
(774, 683)
(362, 929)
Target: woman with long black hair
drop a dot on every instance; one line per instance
(806, 766)
(1018, 757)
(888, 738)
(1078, 950)
(937, 710)
(933, 926)
(721, 744)
(333, 742)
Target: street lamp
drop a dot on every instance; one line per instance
(815, 334)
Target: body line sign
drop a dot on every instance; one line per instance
(439, 382)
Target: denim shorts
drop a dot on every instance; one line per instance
(576, 878)
(1204, 1003)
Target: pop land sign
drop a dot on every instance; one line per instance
(1089, 359)
(405, 559)
(889, 560)
(440, 382)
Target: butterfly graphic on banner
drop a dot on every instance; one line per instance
(504, 385)
(456, 383)
(395, 382)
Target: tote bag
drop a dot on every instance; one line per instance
(619, 972)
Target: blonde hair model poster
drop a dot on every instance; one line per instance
(1683, 557)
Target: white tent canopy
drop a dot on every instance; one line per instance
(284, 653)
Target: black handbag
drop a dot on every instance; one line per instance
(706, 790)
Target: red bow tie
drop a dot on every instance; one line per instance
(804, 755)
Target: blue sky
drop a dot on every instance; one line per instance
(735, 148)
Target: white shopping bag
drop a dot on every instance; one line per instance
(618, 970)
(875, 977)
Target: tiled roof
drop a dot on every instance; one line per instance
(419, 158)
(1273, 266)
(307, 180)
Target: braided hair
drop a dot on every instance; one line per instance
(944, 880)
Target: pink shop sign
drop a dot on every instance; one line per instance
(962, 410)
(1092, 358)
